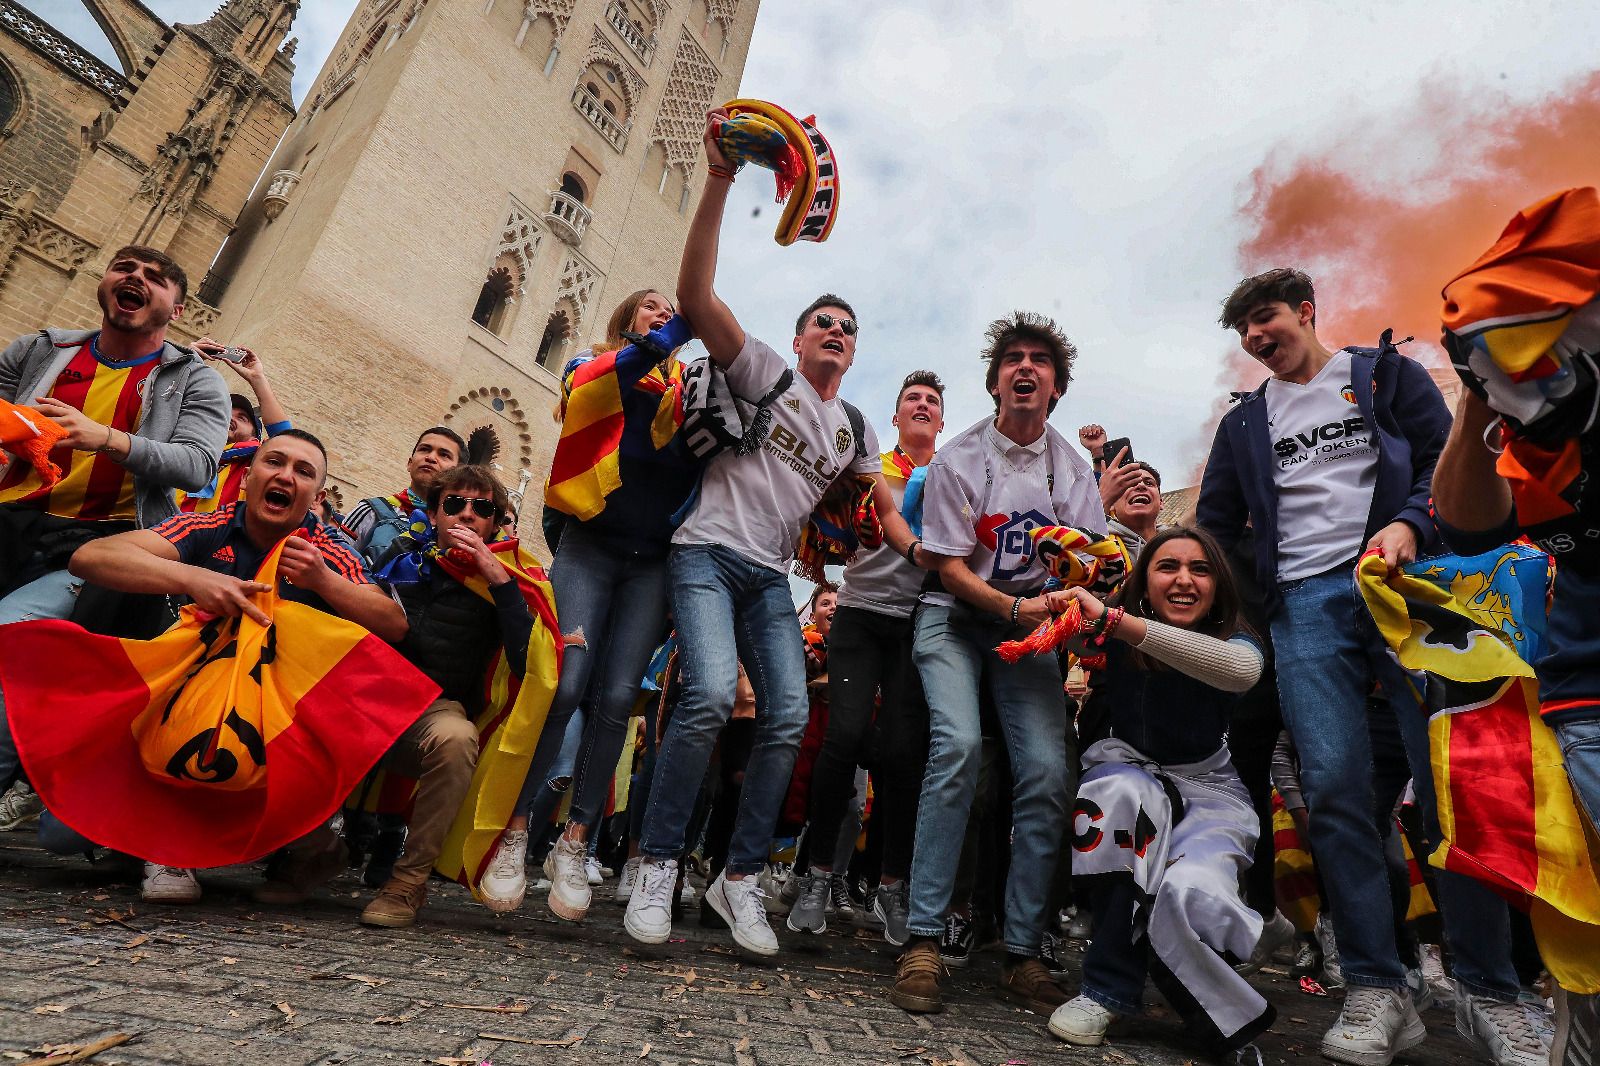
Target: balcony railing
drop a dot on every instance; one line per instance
(568, 218)
(644, 46)
(613, 131)
(279, 189)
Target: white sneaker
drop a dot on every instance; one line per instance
(686, 894)
(1081, 1021)
(774, 880)
(169, 884)
(505, 883)
(592, 870)
(1502, 1030)
(1277, 933)
(1442, 990)
(1577, 1033)
(629, 878)
(1375, 1025)
(20, 806)
(649, 915)
(740, 904)
(569, 880)
(1421, 991)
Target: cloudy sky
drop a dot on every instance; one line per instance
(1099, 163)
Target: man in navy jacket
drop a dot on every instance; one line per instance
(1333, 457)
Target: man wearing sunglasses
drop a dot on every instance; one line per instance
(728, 575)
(452, 636)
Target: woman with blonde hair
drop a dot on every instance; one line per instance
(617, 481)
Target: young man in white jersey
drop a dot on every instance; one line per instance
(985, 490)
(1330, 458)
(728, 578)
(870, 652)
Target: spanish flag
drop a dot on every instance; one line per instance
(509, 724)
(1469, 630)
(27, 436)
(587, 468)
(215, 743)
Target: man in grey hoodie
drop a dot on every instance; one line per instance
(142, 416)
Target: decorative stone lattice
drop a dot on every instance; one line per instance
(520, 237)
(559, 12)
(723, 11)
(42, 38)
(603, 51)
(691, 91)
(578, 279)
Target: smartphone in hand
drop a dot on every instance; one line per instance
(1109, 451)
(229, 353)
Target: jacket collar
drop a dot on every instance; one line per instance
(171, 351)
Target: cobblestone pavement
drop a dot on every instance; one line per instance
(227, 981)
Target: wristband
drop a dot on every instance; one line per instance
(911, 552)
(1016, 609)
(1112, 619)
(105, 445)
(719, 171)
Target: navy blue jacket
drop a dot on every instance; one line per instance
(1409, 420)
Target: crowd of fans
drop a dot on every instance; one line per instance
(876, 758)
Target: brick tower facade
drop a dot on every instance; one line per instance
(469, 190)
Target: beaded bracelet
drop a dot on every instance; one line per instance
(1016, 609)
(1112, 619)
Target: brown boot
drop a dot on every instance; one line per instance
(1031, 985)
(397, 904)
(916, 981)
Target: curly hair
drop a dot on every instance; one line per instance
(1028, 326)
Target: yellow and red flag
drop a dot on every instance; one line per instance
(1469, 630)
(587, 466)
(510, 723)
(28, 436)
(215, 743)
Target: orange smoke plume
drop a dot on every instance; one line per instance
(1381, 233)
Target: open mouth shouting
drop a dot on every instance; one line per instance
(1140, 498)
(277, 500)
(1266, 351)
(833, 345)
(1024, 387)
(130, 297)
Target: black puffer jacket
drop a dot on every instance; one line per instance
(454, 632)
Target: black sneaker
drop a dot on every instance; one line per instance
(955, 946)
(1053, 953)
(386, 850)
(1307, 957)
(839, 898)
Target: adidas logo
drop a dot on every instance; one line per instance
(224, 554)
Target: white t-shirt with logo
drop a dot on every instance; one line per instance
(881, 580)
(1324, 466)
(985, 492)
(757, 504)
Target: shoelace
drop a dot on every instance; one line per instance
(841, 893)
(575, 874)
(1362, 1005)
(507, 861)
(1244, 1055)
(813, 892)
(746, 901)
(1512, 1022)
(955, 930)
(655, 884)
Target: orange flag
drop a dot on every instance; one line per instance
(28, 436)
(215, 743)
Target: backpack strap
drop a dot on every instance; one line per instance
(858, 426)
(761, 421)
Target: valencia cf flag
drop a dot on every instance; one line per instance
(215, 743)
(1468, 630)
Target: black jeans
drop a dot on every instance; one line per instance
(870, 652)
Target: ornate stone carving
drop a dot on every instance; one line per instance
(691, 92)
(559, 12)
(199, 316)
(577, 281)
(500, 402)
(724, 12)
(42, 38)
(520, 238)
(187, 161)
(603, 51)
(642, 41)
(568, 218)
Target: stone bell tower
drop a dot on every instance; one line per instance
(469, 190)
(161, 150)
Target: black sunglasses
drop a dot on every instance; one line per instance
(826, 321)
(453, 505)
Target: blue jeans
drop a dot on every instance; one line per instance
(954, 652)
(729, 610)
(1580, 749)
(1329, 653)
(51, 596)
(618, 603)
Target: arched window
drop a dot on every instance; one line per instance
(573, 187)
(493, 299)
(10, 99)
(553, 341)
(372, 42)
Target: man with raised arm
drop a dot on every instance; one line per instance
(728, 575)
